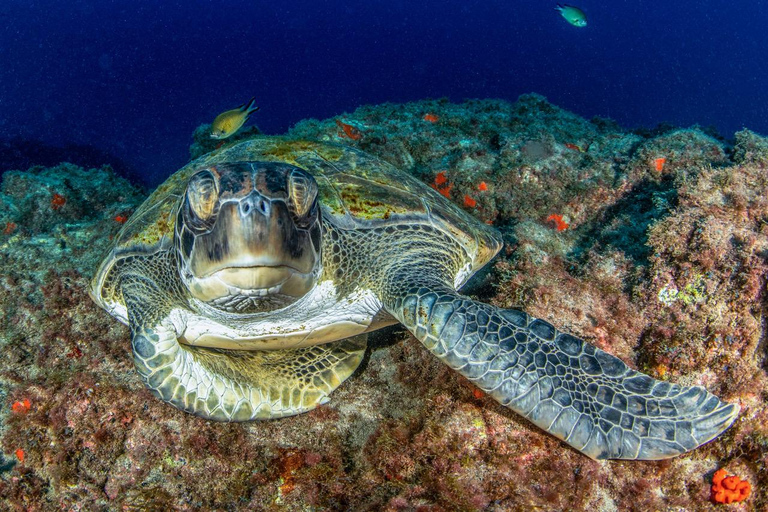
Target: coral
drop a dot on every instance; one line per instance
(21, 407)
(558, 222)
(442, 185)
(42, 200)
(729, 489)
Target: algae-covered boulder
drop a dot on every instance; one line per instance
(750, 148)
(39, 199)
(667, 269)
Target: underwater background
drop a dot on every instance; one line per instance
(624, 162)
(133, 79)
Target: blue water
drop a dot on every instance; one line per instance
(133, 79)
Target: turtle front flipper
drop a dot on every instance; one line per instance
(573, 390)
(229, 385)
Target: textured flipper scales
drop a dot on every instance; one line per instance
(573, 390)
(229, 385)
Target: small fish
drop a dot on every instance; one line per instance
(227, 123)
(574, 147)
(572, 15)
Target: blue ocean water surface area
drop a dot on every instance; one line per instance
(130, 81)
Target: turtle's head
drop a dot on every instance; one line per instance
(248, 235)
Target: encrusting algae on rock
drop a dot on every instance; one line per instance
(408, 432)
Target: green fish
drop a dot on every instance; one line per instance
(572, 15)
(227, 123)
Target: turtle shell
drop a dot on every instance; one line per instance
(356, 188)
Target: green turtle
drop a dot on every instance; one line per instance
(250, 278)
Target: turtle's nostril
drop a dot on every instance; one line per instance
(254, 202)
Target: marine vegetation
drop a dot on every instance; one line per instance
(406, 431)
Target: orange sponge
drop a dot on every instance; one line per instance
(729, 489)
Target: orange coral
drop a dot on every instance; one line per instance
(482, 187)
(432, 118)
(21, 407)
(349, 131)
(20, 455)
(57, 201)
(558, 222)
(659, 163)
(10, 227)
(469, 202)
(120, 219)
(288, 463)
(441, 184)
(729, 489)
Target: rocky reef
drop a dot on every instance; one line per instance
(651, 245)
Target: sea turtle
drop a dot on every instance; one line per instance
(250, 277)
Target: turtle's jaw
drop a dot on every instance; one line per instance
(248, 286)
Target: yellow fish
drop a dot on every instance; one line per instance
(227, 123)
(572, 15)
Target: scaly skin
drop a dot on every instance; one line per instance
(220, 384)
(573, 390)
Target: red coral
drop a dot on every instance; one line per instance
(10, 227)
(21, 407)
(57, 201)
(288, 462)
(441, 184)
(729, 489)
(558, 222)
(469, 202)
(432, 118)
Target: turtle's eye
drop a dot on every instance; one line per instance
(202, 194)
(302, 189)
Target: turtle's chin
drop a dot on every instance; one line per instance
(251, 289)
